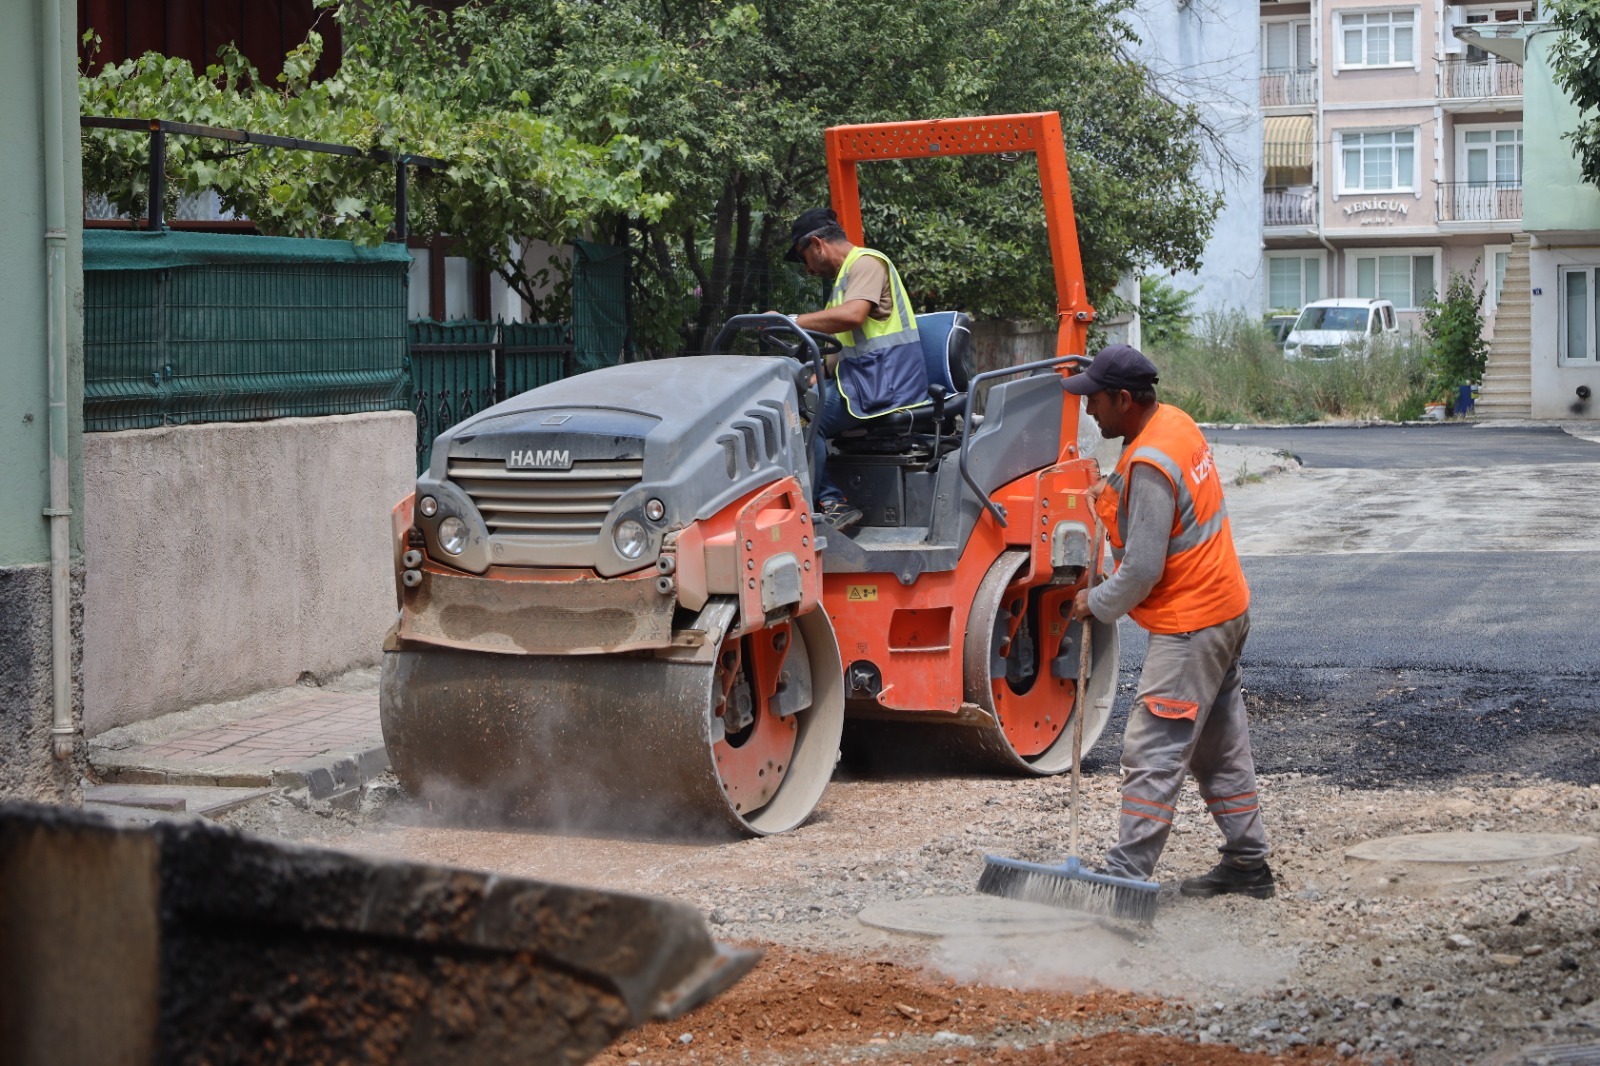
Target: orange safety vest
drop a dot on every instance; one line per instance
(1203, 584)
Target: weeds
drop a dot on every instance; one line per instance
(1229, 370)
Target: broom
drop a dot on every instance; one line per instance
(1071, 884)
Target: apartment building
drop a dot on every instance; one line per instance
(1392, 150)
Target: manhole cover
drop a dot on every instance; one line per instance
(984, 916)
(1467, 847)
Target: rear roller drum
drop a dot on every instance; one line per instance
(745, 739)
(1020, 664)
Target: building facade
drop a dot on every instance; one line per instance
(1393, 150)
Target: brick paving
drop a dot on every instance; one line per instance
(256, 748)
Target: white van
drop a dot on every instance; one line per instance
(1328, 328)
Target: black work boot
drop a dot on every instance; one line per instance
(839, 514)
(1226, 880)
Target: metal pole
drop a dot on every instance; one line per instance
(400, 205)
(57, 308)
(158, 177)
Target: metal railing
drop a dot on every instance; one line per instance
(1475, 79)
(1284, 88)
(1293, 206)
(1478, 201)
(159, 128)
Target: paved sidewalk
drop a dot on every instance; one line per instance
(325, 740)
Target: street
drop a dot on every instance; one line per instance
(1421, 661)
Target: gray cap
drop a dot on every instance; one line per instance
(1115, 367)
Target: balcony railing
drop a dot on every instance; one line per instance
(1478, 201)
(1293, 206)
(1283, 88)
(1479, 79)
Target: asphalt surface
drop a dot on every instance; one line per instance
(1388, 668)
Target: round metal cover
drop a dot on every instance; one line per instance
(985, 916)
(1476, 848)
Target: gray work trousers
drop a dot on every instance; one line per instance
(1189, 717)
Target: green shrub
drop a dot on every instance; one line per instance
(1230, 370)
(1165, 311)
(1457, 352)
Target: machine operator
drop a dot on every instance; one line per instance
(1178, 576)
(880, 369)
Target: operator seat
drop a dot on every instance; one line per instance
(946, 354)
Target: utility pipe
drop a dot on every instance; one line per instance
(62, 732)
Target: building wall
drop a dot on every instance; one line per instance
(1205, 52)
(229, 558)
(27, 769)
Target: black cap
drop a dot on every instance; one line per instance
(808, 223)
(1115, 367)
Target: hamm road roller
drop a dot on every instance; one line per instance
(616, 606)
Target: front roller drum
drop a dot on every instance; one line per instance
(744, 739)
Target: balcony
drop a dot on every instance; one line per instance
(1295, 205)
(1478, 201)
(1289, 88)
(1478, 79)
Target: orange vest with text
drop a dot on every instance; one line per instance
(1203, 584)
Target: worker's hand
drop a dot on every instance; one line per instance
(1080, 607)
(1094, 491)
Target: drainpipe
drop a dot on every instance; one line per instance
(62, 732)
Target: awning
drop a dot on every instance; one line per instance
(1288, 141)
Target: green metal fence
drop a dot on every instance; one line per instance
(459, 368)
(196, 327)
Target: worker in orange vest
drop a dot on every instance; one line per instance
(1178, 576)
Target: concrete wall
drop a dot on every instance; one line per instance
(1206, 52)
(1553, 387)
(1554, 195)
(229, 558)
(27, 769)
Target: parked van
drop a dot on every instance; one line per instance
(1328, 328)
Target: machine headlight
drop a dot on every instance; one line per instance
(428, 506)
(453, 535)
(630, 538)
(655, 510)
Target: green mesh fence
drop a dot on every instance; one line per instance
(458, 368)
(188, 328)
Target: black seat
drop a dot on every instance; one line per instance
(946, 353)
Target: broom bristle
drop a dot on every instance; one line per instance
(1071, 886)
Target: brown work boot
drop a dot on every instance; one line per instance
(1226, 880)
(839, 514)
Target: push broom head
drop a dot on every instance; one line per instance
(1070, 885)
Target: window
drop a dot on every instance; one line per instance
(1293, 280)
(1491, 156)
(1379, 38)
(1405, 279)
(1286, 46)
(1579, 323)
(1379, 162)
(1498, 261)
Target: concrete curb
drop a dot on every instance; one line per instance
(324, 777)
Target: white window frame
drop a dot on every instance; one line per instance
(1352, 271)
(1298, 63)
(1416, 150)
(1589, 357)
(1491, 291)
(1324, 289)
(1463, 14)
(1491, 128)
(1414, 62)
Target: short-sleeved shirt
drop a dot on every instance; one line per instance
(869, 280)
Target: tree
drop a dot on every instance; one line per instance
(692, 130)
(1457, 352)
(1165, 311)
(1575, 59)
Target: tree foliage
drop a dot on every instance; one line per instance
(1453, 324)
(693, 130)
(1166, 311)
(1575, 59)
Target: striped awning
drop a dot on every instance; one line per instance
(1288, 141)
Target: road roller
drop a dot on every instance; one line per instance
(616, 606)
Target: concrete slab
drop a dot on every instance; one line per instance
(1474, 849)
(969, 916)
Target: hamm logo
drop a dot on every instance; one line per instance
(541, 459)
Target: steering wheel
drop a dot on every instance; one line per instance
(788, 344)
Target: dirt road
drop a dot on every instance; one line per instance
(1375, 711)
